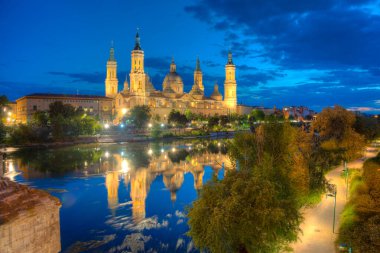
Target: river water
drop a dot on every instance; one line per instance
(128, 197)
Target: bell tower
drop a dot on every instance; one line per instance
(198, 77)
(111, 81)
(137, 74)
(230, 99)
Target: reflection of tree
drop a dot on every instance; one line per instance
(138, 156)
(58, 161)
(178, 156)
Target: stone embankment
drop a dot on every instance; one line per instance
(29, 219)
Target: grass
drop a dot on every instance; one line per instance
(312, 199)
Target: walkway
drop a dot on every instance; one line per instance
(318, 236)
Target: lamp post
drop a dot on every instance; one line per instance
(331, 192)
(346, 174)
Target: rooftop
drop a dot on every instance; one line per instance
(53, 95)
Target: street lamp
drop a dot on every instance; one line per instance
(331, 192)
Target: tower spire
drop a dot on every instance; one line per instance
(112, 53)
(230, 57)
(172, 66)
(137, 41)
(198, 65)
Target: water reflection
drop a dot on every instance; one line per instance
(138, 180)
(139, 170)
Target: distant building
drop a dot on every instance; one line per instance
(98, 106)
(298, 113)
(140, 90)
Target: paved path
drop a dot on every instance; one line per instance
(318, 236)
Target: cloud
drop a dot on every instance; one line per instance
(298, 34)
(95, 77)
(159, 64)
(364, 109)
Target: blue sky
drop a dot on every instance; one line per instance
(314, 53)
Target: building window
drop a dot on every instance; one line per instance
(34, 108)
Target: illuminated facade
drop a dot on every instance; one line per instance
(140, 90)
(98, 106)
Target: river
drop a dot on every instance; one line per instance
(128, 197)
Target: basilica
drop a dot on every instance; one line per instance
(140, 90)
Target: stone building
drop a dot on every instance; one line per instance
(29, 219)
(99, 106)
(140, 90)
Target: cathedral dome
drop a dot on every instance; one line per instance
(173, 80)
(216, 94)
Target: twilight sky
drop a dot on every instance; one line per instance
(315, 53)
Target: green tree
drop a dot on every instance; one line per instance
(58, 108)
(3, 100)
(360, 226)
(235, 214)
(140, 115)
(89, 126)
(3, 133)
(258, 115)
(367, 126)
(156, 131)
(40, 119)
(243, 213)
(177, 118)
(335, 129)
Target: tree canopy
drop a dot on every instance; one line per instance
(140, 116)
(177, 118)
(336, 132)
(255, 208)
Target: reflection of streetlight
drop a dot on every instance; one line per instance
(219, 144)
(124, 111)
(122, 125)
(162, 150)
(150, 151)
(173, 149)
(162, 125)
(331, 192)
(107, 154)
(124, 166)
(106, 126)
(150, 125)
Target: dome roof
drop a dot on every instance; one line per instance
(168, 89)
(173, 80)
(216, 94)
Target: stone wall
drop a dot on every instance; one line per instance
(29, 219)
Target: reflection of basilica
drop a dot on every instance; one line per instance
(138, 169)
(141, 178)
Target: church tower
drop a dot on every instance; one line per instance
(198, 79)
(137, 74)
(111, 77)
(230, 99)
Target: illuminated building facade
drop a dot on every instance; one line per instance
(140, 90)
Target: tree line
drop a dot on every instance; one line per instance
(278, 168)
(61, 122)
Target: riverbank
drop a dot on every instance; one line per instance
(317, 228)
(117, 139)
